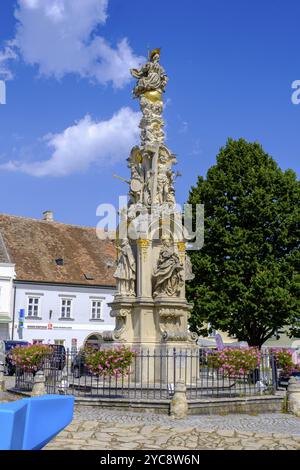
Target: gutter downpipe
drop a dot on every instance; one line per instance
(14, 308)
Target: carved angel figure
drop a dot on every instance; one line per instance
(125, 273)
(151, 76)
(168, 277)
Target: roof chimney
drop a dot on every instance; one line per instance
(48, 216)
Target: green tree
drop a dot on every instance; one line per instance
(246, 273)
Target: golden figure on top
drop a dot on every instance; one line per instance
(151, 76)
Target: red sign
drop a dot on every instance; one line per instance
(50, 326)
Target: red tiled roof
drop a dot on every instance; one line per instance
(35, 245)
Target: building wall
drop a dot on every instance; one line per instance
(50, 327)
(7, 274)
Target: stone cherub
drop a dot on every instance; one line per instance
(125, 273)
(151, 76)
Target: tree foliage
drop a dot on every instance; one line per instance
(247, 273)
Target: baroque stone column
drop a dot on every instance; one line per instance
(150, 306)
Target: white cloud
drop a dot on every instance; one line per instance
(85, 143)
(7, 54)
(61, 37)
(184, 127)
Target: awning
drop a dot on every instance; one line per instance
(5, 318)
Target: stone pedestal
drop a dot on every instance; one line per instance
(2, 378)
(158, 331)
(179, 404)
(39, 384)
(293, 396)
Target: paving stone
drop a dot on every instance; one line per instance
(128, 446)
(250, 442)
(148, 429)
(176, 448)
(277, 436)
(160, 440)
(254, 447)
(129, 439)
(263, 435)
(284, 442)
(89, 426)
(95, 428)
(225, 433)
(107, 429)
(66, 434)
(203, 431)
(266, 442)
(73, 427)
(82, 435)
(100, 436)
(232, 440)
(69, 441)
(97, 447)
(152, 447)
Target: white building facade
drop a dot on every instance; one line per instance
(7, 275)
(61, 314)
(56, 282)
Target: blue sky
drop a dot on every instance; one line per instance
(70, 121)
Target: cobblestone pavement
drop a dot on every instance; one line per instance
(96, 429)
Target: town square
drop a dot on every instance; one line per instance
(149, 229)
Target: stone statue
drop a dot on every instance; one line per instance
(126, 270)
(189, 275)
(137, 179)
(165, 178)
(151, 77)
(148, 188)
(168, 277)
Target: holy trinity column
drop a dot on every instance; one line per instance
(150, 306)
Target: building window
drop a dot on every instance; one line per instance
(66, 307)
(33, 307)
(96, 309)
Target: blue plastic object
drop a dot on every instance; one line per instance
(30, 423)
(12, 425)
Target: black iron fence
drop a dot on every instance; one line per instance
(153, 375)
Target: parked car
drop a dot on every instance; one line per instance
(78, 367)
(7, 346)
(283, 380)
(58, 357)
